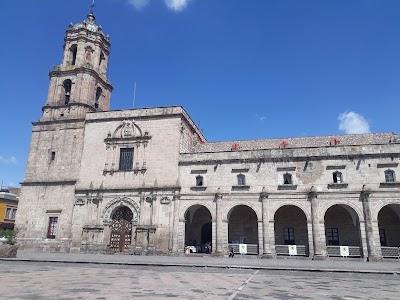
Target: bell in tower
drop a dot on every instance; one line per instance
(80, 85)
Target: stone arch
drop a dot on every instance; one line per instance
(185, 208)
(198, 228)
(228, 210)
(389, 225)
(342, 228)
(291, 226)
(243, 225)
(381, 205)
(345, 204)
(116, 203)
(303, 207)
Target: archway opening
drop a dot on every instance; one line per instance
(342, 226)
(389, 226)
(242, 226)
(198, 232)
(291, 229)
(121, 230)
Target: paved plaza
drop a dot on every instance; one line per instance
(51, 280)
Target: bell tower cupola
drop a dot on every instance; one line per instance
(80, 84)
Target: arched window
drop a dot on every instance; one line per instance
(287, 178)
(67, 84)
(241, 179)
(337, 177)
(199, 181)
(73, 50)
(101, 58)
(390, 176)
(98, 95)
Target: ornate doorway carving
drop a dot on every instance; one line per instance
(121, 230)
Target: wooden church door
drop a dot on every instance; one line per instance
(121, 230)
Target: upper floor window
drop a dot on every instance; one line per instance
(287, 178)
(67, 84)
(199, 181)
(337, 177)
(73, 50)
(98, 95)
(126, 159)
(10, 213)
(390, 176)
(241, 179)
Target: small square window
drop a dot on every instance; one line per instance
(390, 176)
(241, 179)
(337, 177)
(287, 178)
(199, 181)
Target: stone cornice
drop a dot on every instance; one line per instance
(137, 190)
(81, 69)
(38, 183)
(198, 161)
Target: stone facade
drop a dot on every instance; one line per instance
(177, 189)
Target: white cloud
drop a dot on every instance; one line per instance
(176, 5)
(12, 160)
(353, 123)
(261, 118)
(138, 4)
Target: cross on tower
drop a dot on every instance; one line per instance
(92, 6)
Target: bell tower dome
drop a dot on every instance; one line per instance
(80, 85)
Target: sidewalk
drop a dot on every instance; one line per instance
(342, 265)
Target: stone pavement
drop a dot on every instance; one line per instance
(238, 262)
(67, 281)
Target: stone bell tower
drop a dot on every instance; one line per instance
(80, 85)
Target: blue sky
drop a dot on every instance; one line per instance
(244, 69)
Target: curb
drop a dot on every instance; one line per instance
(216, 266)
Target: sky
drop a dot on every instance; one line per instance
(251, 69)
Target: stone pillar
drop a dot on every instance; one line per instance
(310, 239)
(181, 236)
(218, 202)
(266, 245)
(260, 237)
(213, 236)
(373, 250)
(319, 249)
(175, 233)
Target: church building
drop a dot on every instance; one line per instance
(147, 181)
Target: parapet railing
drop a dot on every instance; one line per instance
(251, 248)
(298, 250)
(337, 251)
(390, 252)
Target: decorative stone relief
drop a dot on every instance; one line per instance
(116, 203)
(165, 200)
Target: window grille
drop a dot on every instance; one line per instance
(389, 176)
(241, 179)
(52, 230)
(332, 235)
(126, 159)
